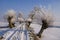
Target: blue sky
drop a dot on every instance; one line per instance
(27, 5)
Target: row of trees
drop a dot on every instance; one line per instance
(41, 16)
(11, 17)
(38, 15)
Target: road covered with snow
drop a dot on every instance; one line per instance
(51, 33)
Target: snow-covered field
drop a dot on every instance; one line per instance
(3, 24)
(14, 33)
(51, 33)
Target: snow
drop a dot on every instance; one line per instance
(36, 28)
(15, 35)
(7, 35)
(2, 24)
(51, 34)
(48, 34)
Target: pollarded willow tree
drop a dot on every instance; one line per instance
(11, 18)
(42, 17)
(47, 20)
(20, 17)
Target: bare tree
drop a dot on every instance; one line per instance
(20, 17)
(30, 19)
(46, 19)
(10, 17)
(42, 17)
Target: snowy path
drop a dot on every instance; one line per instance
(52, 33)
(10, 34)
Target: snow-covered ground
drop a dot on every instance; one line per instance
(51, 33)
(10, 34)
(2, 24)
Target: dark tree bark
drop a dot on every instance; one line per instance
(10, 23)
(44, 26)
